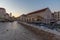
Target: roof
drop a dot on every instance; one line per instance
(2, 8)
(42, 10)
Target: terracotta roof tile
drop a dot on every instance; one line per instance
(42, 10)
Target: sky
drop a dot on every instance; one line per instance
(19, 7)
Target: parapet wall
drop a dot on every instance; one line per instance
(45, 35)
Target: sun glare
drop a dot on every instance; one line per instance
(15, 14)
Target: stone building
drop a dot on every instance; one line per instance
(43, 15)
(57, 16)
(2, 12)
(23, 18)
(4, 15)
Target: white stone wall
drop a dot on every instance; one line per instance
(2, 13)
(57, 17)
(45, 14)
